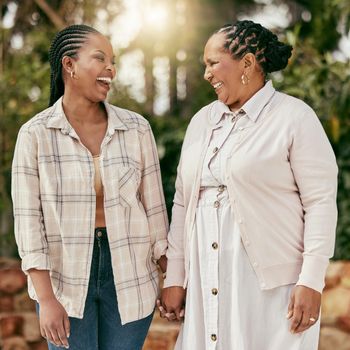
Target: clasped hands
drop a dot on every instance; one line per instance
(303, 309)
(171, 305)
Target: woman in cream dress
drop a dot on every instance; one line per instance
(255, 207)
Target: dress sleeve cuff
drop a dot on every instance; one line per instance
(313, 272)
(175, 273)
(159, 248)
(37, 261)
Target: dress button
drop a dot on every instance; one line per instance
(240, 221)
(255, 264)
(213, 337)
(215, 245)
(247, 243)
(240, 129)
(216, 204)
(263, 285)
(99, 234)
(214, 291)
(221, 188)
(215, 150)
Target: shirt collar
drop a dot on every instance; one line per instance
(58, 119)
(258, 101)
(251, 108)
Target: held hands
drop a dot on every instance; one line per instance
(54, 322)
(171, 304)
(303, 309)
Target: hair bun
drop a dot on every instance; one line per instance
(276, 56)
(247, 36)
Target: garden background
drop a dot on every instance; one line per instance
(159, 46)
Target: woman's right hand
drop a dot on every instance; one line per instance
(173, 301)
(54, 322)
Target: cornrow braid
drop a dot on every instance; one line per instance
(67, 42)
(248, 37)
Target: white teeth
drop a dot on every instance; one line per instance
(105, 79)
(217, 85)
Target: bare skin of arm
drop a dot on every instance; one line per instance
(54, 322)
(162, 262)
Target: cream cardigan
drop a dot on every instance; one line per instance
(282, 182)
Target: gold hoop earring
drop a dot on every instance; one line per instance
(244, 79)
(72, 74)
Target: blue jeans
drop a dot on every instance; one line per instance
(100, 328)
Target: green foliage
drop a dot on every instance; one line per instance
(324, 83)
(169, 132)
(312, 75)
(24, 89)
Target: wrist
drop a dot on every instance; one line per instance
(42, 299)
(162, 263)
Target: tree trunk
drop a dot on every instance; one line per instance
(149, 81)
(51, 14)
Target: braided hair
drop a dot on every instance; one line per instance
(248, 37)
(67, 42)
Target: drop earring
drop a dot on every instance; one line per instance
(244, 79)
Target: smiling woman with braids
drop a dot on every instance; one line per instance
(254, 212)
(90, 217)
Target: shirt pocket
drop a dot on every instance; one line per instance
(128, 186)
(122, 186)
(123, 200)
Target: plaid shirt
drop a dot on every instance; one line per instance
(54, 207)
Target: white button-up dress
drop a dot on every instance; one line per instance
(225, 306)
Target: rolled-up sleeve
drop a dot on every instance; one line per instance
(315, 170)
(29, 226)
(152, 196)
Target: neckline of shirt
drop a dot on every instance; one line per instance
(251, 108)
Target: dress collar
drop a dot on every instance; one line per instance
(251, 108)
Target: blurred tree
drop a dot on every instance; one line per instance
(317, 77)
(24, 70)
(187, 30)
(315, 30)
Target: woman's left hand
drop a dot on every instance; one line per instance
(303, 309)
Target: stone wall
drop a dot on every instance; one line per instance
(335, 313)
(19, 326)
(18, 321)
